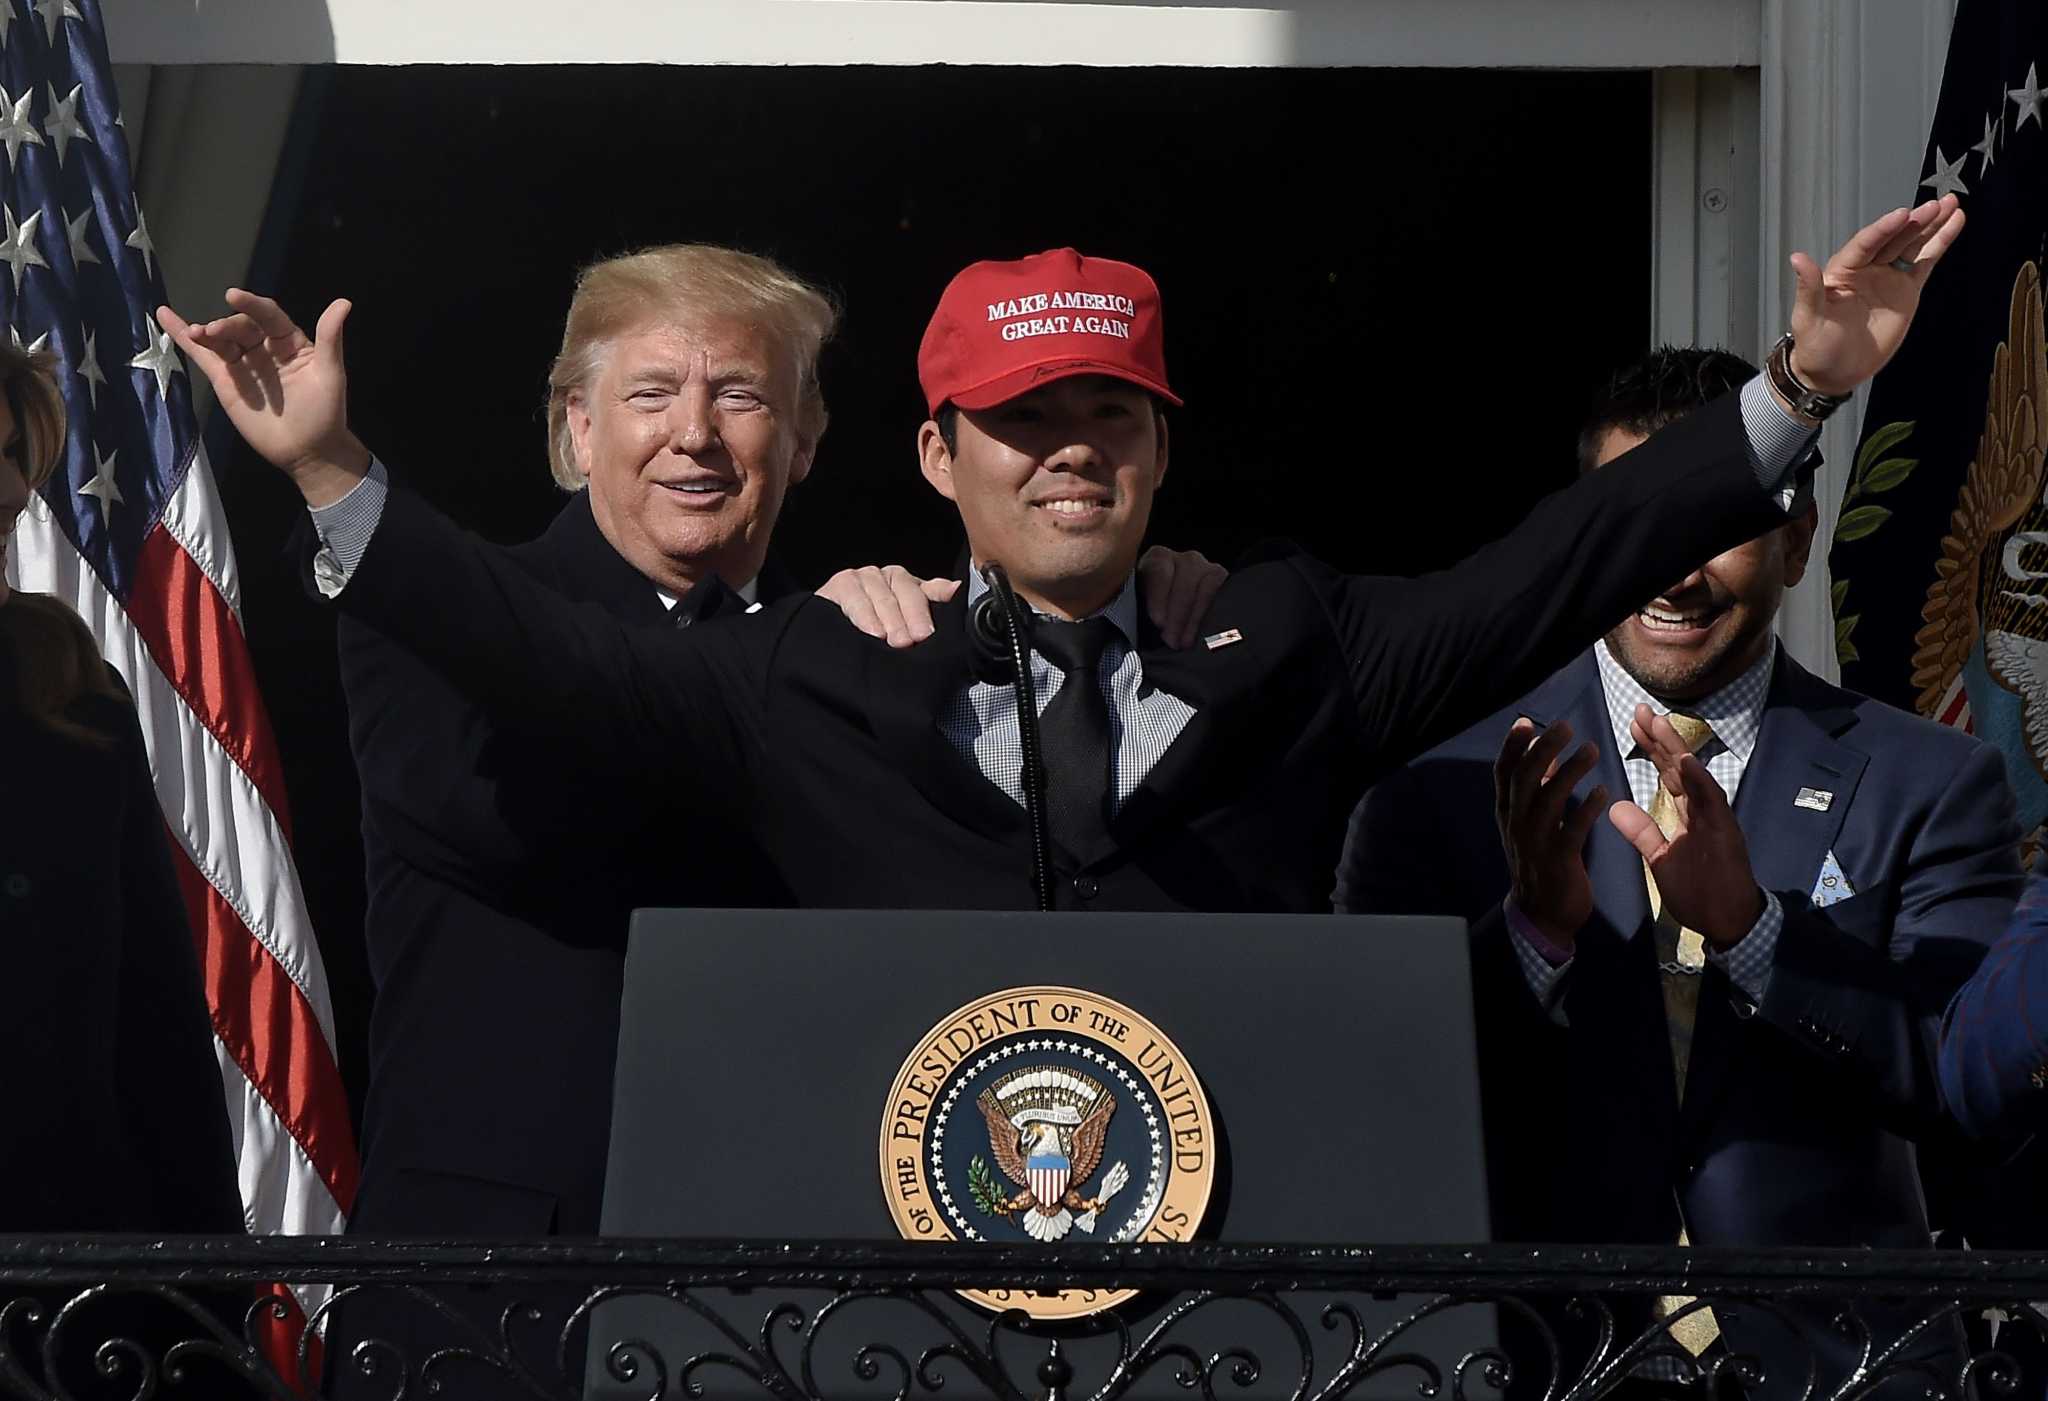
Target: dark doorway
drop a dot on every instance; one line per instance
(1387, 294)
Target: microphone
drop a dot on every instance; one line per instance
(999, 632)
(988, 630)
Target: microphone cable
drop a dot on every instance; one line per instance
(1001, 627)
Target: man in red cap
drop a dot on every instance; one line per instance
(1216, 778)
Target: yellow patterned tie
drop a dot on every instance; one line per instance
(1681, 954)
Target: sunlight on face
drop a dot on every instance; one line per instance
(688, 439)
(1708, 628)
(1057, 486)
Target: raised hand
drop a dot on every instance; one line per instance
(1541, 832)
(286, 393)
(1702, 869)
(1178, 587)
(1850, 317)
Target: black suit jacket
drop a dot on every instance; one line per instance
(825, 742)
(114, 1114)
(500, 878)
(1799, 1117)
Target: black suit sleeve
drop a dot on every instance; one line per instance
(169, 1082)
(1393, 861)
(415, 741)
(652, 708)
(1428, 656)
(1868, 994)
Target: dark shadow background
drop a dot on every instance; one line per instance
(1388, 294)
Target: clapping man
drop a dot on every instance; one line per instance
(1701, 1021)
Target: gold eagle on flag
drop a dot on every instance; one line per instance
(1991, 581)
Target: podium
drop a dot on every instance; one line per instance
(758, 1050)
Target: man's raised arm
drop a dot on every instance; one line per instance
(648, 705)
(1431, 655)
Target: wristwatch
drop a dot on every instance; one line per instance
(1804, 399)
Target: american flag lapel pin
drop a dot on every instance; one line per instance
(1817, 799)
(1222, 639)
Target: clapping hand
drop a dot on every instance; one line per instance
(1542, 833)
(1702, 869)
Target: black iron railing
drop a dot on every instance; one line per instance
(556, 1320)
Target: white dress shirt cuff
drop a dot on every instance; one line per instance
(345, 528)
(1775, 440)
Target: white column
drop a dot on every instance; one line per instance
(1704, 208)
(1848, 94)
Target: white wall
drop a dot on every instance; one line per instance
(1425, 33)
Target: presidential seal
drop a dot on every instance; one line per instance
(1047, 1114)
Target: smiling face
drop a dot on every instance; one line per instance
(1055, 485)
(688, 438)
(13, 486)
(1706, 629)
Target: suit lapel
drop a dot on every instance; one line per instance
(1215, 684)
(589, 570)
(1798, 747)
(1621, 903)
(907, 691)
(1615, 1004)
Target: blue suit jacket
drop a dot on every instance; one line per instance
(1798, 1115)
(1994, 1041)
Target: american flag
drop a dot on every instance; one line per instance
(131, 533)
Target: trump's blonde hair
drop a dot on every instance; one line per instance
(684, 282)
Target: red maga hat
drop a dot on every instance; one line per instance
(1005, 328)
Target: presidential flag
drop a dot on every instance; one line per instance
(1940, 560)
(130, 532)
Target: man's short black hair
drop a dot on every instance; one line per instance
(948, 419)
(1664, 386)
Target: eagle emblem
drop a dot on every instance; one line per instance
(1046, 1129)
(1981, 656)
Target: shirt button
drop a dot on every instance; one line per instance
(1086, 887)
(1744, 1008)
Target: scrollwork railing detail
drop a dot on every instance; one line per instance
(109, 1319)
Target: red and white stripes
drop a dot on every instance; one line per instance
(179, 645)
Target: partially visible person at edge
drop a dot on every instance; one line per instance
(1994, 1037)
(1765, 1081)
(1225, 775)
(683, 407)
(114, 1114)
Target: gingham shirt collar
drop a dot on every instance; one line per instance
(1122, 611)
(1736, 711)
